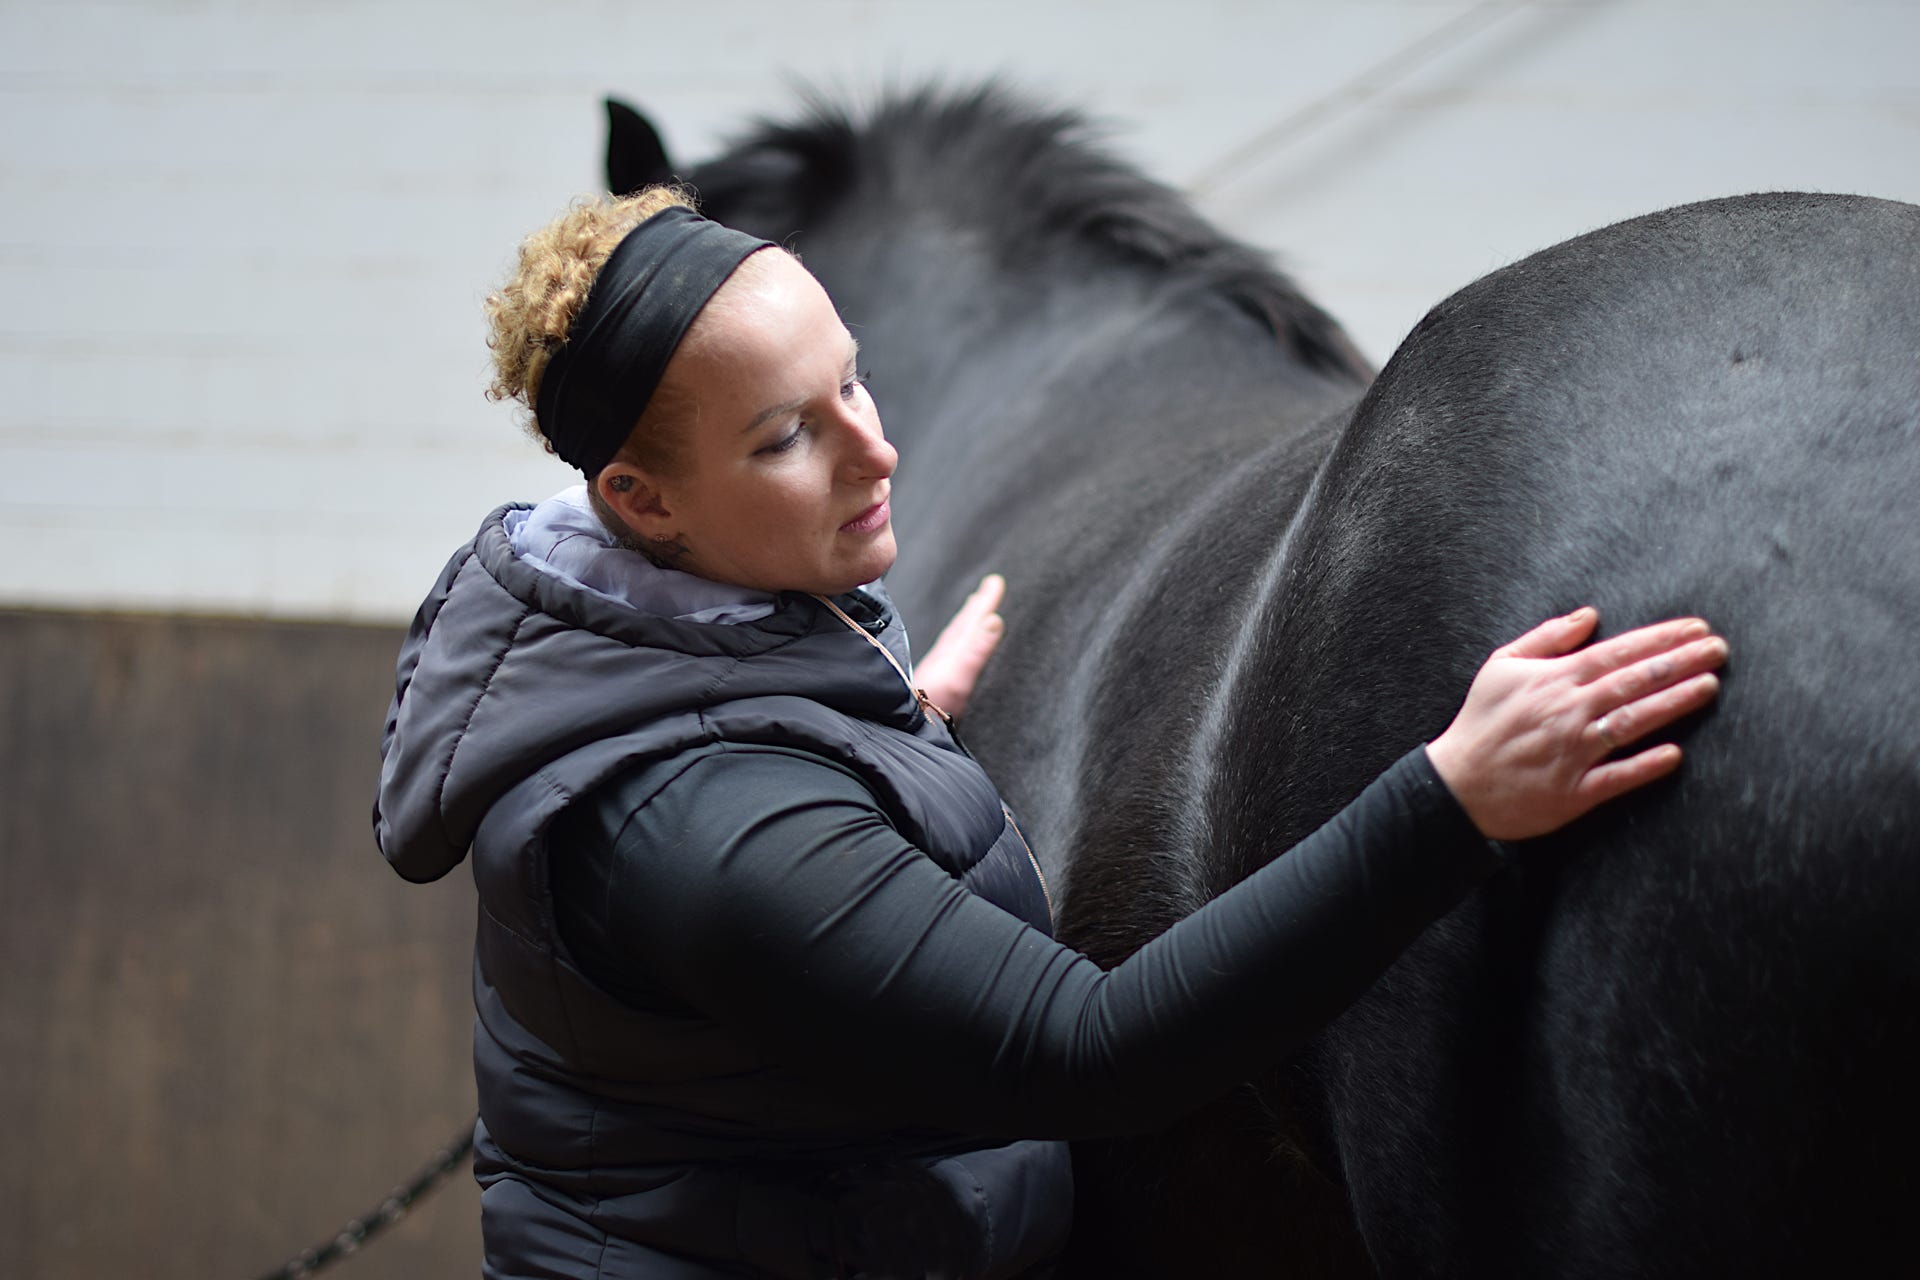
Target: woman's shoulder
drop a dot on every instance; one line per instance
(718, 784)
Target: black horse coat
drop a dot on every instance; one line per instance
(1680, 1038)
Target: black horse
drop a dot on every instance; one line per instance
(1683, 1036)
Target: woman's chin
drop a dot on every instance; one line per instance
(880, 556)
(862, 569)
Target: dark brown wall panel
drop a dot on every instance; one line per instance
(225, 1026)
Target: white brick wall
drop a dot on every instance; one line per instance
(242, 247)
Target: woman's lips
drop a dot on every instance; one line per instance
(870, 520)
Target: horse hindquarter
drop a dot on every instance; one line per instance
(1679, 1037)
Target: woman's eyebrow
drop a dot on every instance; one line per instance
(775, 410)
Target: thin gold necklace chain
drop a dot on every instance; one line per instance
(932, 709)
(919, 695)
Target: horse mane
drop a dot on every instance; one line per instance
(1033, 178)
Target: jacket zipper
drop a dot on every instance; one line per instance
(1038, 873)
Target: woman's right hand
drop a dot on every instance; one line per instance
(1530, 749)
(952, 667)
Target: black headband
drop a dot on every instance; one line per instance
(597, 385)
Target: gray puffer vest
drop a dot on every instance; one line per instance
(616, 1140)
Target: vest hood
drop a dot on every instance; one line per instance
(506, 669)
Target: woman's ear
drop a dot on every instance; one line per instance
(635, 497)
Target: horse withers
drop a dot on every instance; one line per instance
(1675, 1038)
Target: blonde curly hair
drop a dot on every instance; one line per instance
(530, 315)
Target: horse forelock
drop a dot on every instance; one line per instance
(1027, 181)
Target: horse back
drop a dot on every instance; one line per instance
(1678, 1036)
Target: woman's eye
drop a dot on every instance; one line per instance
(852, 385)
(783, 444)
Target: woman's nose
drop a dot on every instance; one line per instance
(869, 455)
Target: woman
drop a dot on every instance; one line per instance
(763, 971)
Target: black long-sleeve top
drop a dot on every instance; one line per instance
(764, 888)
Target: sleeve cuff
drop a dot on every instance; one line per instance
(1441, 813)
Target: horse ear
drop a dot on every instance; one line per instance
(635, 155)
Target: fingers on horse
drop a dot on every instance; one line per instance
(1615, 778)
(977, 609)
(1631, 721)
(991, 591)
(981, 640)
(1638, 645)
(1555, 636)
(1661, 670)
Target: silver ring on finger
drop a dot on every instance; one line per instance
(1605, 731)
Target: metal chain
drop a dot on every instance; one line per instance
(389, 1211)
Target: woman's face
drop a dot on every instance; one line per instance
(781, 477)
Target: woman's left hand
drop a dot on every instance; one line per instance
(951, 668)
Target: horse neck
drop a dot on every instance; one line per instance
(1143, 566)
(1132, 451)
(943, 317)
